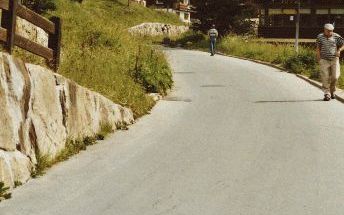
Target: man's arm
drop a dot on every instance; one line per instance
(340, 44)
(340, 49)
(318, 52)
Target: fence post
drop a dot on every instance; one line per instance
(55, 42)
(8, 21)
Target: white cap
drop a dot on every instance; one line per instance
(329, 27)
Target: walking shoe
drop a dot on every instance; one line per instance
(327, 98)
(333, 96)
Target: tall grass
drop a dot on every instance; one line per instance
(283, 55)
(99, 53)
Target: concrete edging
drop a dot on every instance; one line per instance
(339, 92)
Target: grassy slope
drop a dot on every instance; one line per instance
(98, 53)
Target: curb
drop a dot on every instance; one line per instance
(255, 61)
(339, 92)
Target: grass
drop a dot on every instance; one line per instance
(72, 147)
(99, 53)
(281, 54)
(4, 194)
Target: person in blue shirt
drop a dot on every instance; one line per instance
(213, 34)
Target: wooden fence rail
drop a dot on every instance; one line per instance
(11, 9)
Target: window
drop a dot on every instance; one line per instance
(186, 16)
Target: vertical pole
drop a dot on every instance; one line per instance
(55, 42)
(137, 60)
(266, 15)
(297, 33)
(8, 21)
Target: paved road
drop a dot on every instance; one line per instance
(233, 138)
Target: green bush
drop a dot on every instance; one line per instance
(40, 6)
(153, 73)
(189, 38)
(303, 63)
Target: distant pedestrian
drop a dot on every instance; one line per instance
(166, 32)
(213, 34)
(329, 47)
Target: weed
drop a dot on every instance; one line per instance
(4, 194)
(17, 184)
(105, 129)
(72, 147)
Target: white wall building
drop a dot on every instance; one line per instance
(182, 9)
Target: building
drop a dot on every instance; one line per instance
(277, 18)
(180, 7)
(141, 2)
(183, 9)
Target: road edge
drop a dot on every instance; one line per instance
(339, 92)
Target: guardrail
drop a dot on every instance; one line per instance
(11, 9)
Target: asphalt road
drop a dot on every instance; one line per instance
(233, 138)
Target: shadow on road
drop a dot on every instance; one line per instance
(290, 101)
(176, 99)
(212, 85)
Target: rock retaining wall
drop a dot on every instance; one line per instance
(158, 29)
(40, 110)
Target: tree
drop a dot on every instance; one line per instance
(229, 16)
(169, 3)
(39, 6)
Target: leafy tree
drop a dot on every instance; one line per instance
(229, 16)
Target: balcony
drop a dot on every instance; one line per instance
(304, 3)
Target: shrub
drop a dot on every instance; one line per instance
(153, 73)
(303, 63)
(40, 6)
(189, 38)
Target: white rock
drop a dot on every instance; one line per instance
(156, 29)
(14, 167)
(46, 112)
(40, 110)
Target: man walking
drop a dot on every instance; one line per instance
(329, 47)
(213, 34)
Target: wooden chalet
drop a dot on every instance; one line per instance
(277, 17)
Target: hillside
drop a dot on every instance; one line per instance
(98, 53)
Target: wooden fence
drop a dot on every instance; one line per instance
(10, 10)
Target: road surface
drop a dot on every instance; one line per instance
(234, 137)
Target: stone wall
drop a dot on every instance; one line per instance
(40, 110)
(157, 29)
